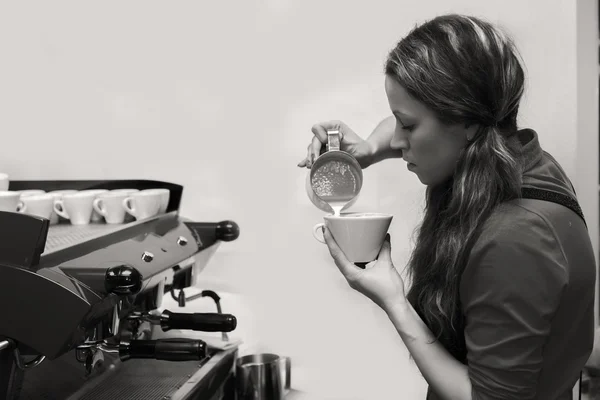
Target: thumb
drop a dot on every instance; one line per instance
(386, 248)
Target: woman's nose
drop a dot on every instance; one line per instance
(398, 142)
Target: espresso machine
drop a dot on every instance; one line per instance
(80, 305)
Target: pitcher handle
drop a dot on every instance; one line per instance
(333, 140)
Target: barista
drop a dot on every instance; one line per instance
(501, 297)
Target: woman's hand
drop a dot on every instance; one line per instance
(350, 142)
(379, 281)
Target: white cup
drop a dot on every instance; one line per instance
(63, 191)
(31, 192)
(142, 204)
(359, 235)
(4, 181)
(76, 207)
(95, 216)
(128, 217)
(128, 191)
(110, 206)
(58, 194)
(165, 194)
(40, 205)
(11, 201)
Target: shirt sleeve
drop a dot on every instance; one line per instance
(510, 290)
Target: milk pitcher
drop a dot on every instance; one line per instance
(335, 179)
(262, 376)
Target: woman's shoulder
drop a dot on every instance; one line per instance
(529, 222)
(519, 221)
(519, 239)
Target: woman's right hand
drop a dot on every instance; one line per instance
(350, 142)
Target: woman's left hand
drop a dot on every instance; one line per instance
(379, 281)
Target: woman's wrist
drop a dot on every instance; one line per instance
(378, 143)
(398, 307)
(370, 151)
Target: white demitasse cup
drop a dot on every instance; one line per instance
(31, 192)
(164, 198)
(76, 207)
(128, 217)
(40, 205)
(4, 181)
(58, 194)
(359, 235)
(96, 217)
(142, 204)
(62, 192)
(110, 206)
(128, 191)
(11, 201)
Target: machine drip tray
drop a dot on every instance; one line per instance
(141, 380)
(209, 379)
(135, 379)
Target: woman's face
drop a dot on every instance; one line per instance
(430, 147)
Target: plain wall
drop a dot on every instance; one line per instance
(220, 97)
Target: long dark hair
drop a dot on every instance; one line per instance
(466, 71)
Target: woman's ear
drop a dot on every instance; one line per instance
(471, 131)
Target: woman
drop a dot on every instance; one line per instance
(502, 287)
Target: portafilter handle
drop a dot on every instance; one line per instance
(173, 349)
(204, 322)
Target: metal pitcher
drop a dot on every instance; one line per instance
(334, 154)
(262, 376)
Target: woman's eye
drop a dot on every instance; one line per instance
(404, 127)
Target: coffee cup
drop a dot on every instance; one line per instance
(142, 204)
(96, 217)
(128, 191)
(11, 201)
(164, 198)
(4, 181)
(58, 194)
(110, 206)
(76, 207)
(31, 192)
(359, 235)
(40, 205)
(62, 192)
(128, 217)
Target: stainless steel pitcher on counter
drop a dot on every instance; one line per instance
(264, 376)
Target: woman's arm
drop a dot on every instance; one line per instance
(380, 139)
(447, 377)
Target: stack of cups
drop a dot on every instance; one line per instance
(81, 207)
(113, 206)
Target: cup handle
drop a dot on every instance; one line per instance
(319, 227)
(128, 206)
(287, 382)
(21, 207)
(97, 204)
(59, 208)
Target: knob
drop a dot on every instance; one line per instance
(147, 256)
(182, 241)
(227, 231)
(122, 280)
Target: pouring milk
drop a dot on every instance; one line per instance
(335, 179)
